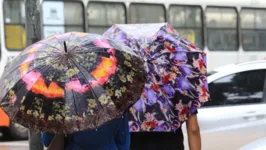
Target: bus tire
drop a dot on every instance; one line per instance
(18, 132)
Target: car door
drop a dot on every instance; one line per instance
(236, 114)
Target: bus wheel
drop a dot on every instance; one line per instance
(16, 132)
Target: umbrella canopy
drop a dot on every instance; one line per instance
(176, 75)
(71, 82)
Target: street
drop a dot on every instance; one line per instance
(14, 145)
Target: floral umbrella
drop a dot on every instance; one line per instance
(176, 81)
(71, 82)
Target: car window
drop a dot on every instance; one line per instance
(236, 89)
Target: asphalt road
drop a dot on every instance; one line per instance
(14, 145)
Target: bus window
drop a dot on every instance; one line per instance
(74, 16)
(221, 28)
(60, 17)
(146, 13)
(253, 29)
(188, 21)
(102, 15)
(14, 24)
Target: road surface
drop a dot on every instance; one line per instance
(14, 145)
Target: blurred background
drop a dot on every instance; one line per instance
(231, 32)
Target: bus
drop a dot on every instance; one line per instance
(229, 31)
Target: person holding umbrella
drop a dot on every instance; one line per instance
(75, 88)
(175, 88)
(113, 135)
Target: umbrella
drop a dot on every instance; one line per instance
(71, 82)
(176, 76)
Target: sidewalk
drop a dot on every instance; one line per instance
(16, 145)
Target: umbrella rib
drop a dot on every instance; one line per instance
(31, 70)
(119, 54)
(74, 96)
(22, 64)
(91, 75)
(126, 47)
(102, 51)
(39, 51)
(16, 103)
(86, 41)
(34, 59)
(4, 98)
(29, 60)
(95, 95)
(121, 50)
(85, 76)
(49, 45)
(60, 43)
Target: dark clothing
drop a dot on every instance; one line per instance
(111, 136)
(158, 140)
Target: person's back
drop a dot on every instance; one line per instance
(111, 136)
(168, 140)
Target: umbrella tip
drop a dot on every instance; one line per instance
(65, 46)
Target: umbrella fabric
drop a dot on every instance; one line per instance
(71, 82)
(176, 76)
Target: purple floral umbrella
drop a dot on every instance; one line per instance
(176, 76)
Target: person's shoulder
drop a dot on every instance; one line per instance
(115, 122)
(122, 118)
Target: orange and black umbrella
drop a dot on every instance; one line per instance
(71, 82)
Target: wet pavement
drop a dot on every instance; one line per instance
(14, 145)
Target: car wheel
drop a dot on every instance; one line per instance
(17, 132)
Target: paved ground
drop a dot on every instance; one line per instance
(16, 145)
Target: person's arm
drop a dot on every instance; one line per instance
(122, 138)
(193, 131)
(47, 139)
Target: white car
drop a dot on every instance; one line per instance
(236, 115)
(256, 145)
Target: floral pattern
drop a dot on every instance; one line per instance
(176, 83)
(58, 89)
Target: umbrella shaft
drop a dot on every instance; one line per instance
(65, 46)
